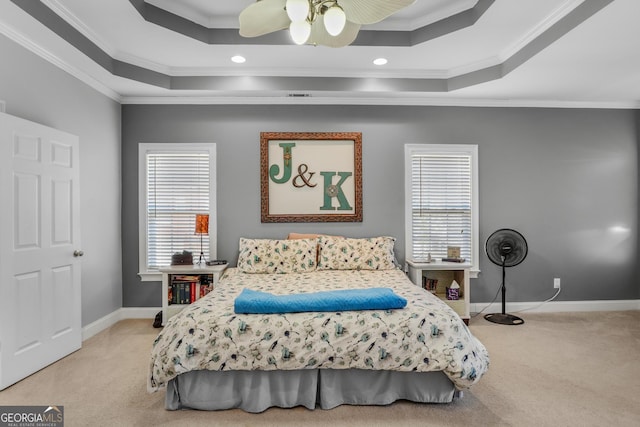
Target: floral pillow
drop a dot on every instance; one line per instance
(374, 253)
(311, 236)
(277, 256)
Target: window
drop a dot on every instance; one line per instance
(441, 201)
(176, 182)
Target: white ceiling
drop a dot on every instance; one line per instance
(518, 53)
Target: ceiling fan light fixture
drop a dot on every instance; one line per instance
(300, 31)
(334, 20)
(297, 10)
(332, 23)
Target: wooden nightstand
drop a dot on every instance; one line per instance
(182, 285)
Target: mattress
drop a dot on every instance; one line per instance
(425, 336)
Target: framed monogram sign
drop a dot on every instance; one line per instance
(311, 176)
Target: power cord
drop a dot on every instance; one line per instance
(518, 311)
(489, 304)
(542, 303)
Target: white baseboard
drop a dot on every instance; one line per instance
(512, 307)
(557, 306)
(139, 312)
(121, 314)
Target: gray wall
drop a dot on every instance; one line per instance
(637, 196)
(561, 177)
(38, 91)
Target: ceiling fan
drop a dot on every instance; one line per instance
(333, 23)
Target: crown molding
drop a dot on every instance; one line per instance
(313, 99)
(52, 58)
(557, 15)
(64, 12)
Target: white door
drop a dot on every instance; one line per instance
(40, 316)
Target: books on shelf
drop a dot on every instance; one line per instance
(430, 285)
(185, 289)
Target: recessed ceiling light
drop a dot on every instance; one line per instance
(238, 59)
(380, 61)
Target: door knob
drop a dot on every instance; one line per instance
(78, 253)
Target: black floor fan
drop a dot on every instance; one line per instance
(506, 248)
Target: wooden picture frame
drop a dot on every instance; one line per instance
(311, 176)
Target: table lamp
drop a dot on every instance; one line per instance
(202, 227)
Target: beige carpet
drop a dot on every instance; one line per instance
(573, 369)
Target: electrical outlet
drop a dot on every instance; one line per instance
(556, 283)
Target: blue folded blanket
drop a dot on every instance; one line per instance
(250, 301)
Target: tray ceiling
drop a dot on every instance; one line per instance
(445, 52)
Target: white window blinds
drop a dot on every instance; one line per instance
(440, 201)
(178, 187)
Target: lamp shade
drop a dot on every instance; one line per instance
(297, 10)
(202, 223)
(300, 31)
(334, 20)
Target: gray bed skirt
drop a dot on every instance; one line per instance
(256, 391)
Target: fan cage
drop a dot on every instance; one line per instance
(506, 236)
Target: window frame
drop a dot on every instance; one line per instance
(425, 149)
(145, 148)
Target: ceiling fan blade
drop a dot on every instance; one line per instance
(372, 11)
(263, 17)
(320, 36)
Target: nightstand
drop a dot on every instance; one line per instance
(182, 285)
(445, 273)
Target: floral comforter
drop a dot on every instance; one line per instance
(424, 336)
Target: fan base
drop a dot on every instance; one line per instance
(504, 319)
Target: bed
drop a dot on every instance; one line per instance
(212, 357)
